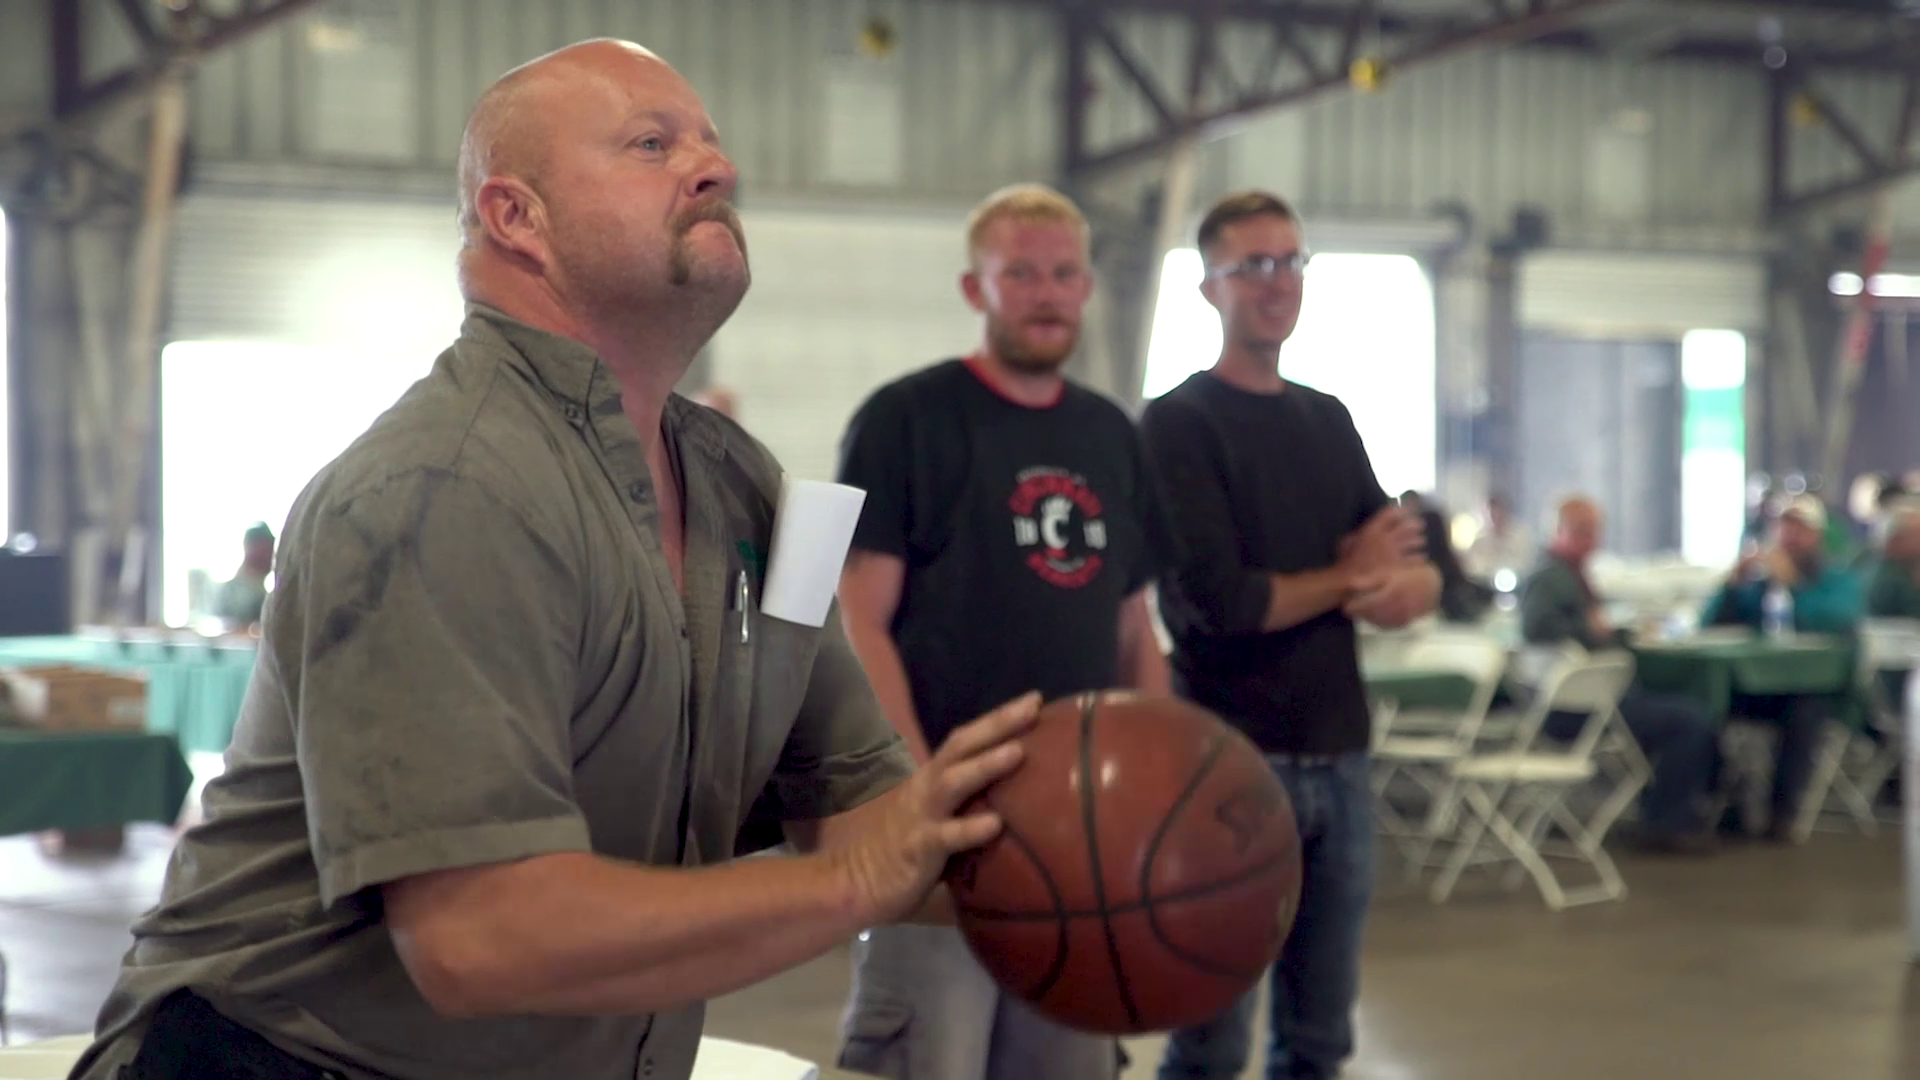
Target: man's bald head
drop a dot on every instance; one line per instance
(595, 201)
(1577, 527)
(510, 132)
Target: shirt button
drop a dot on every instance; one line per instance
(646, 1067)
(637, 491)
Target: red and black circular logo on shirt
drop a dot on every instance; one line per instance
(1057, 523)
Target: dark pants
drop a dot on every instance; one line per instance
(1801, 718)
(1315, 982)
(1679, 737)
(189, 1040)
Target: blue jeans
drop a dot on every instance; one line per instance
(1316, 981)
(1679, 738)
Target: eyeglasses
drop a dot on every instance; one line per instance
(1265, 268)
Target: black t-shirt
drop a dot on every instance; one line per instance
(1023, 529)
(1260, 484)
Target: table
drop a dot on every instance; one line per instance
(1420, 688)
(89, 780)
(719, 1059)
(1711, 671)
(194, 689)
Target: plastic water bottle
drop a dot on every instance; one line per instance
(1776, 611)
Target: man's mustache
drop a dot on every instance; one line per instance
(718, 210)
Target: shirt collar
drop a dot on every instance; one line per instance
(567, 368)
(581, 383)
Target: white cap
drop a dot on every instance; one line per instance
(1809, 509)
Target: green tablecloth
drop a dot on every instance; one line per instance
(1712, 672)
(193, 690)
(1420, 688)
(89, 780)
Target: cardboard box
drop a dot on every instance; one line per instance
(68, 698)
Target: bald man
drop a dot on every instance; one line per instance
(1558, 605)
(515, 706)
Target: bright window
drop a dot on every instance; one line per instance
(244, 427)
(1713, 446)
(1366, 336)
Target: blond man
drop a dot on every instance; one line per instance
(1006, 544)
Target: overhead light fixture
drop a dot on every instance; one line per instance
(1368, 73)
(878, 37)
(1899, 286)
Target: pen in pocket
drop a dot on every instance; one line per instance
(741, 597)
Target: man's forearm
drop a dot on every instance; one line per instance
(1296, 598)
(880, 657)
(580, 934)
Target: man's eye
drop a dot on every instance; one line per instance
(652, 142)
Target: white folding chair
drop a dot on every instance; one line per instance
(1418, 746)
(1513, 796)
(1853, 766)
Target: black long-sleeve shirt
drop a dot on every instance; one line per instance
(1261, 484)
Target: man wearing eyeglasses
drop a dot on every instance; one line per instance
(1287, 539)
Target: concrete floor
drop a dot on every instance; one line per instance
(1762, 963)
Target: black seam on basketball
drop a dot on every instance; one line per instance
(1089, 711)
(1151, 904)
(1179, 803)
(1059, 915)
(1198, 892)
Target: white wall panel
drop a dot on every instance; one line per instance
(315, 269)
(842, 301)
(1626, 295)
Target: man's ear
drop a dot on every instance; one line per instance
(1209, 288)
(514, 218)
(971, 288)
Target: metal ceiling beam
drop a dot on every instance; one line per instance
(195, 33)
(1795, 103)
(1682, 41)
(1323, 52)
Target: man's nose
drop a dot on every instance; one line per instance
(714, 175)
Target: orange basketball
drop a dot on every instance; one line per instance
(1148, 871)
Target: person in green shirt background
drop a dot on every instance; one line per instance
(1826, 595)
(240, 600)
(1826, 599)
(1893, 589)
(1558, 605)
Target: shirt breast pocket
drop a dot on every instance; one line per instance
(764, 675)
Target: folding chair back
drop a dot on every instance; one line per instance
(1591, 686)
(1514, 798)
(1481, 659)
(1890, 645)
(1853, 766)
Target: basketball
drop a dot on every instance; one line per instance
(1147, 872)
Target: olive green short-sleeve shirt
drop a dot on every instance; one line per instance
(475, 652)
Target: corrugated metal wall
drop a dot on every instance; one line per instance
(1593, 142)
(1587, 140)
(390, 81)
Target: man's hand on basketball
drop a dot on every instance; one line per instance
(901, 853)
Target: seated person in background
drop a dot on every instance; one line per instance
(1462, 599)
(1505, 544)
(239, 601)
(1826, 600)
(1893, 592)
(1558, 605)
